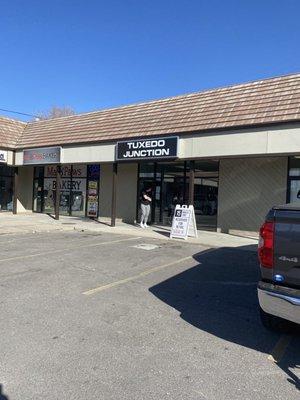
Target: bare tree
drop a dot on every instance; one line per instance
(56, 112)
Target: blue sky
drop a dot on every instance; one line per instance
(97, 54)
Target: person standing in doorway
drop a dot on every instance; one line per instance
(146, 200)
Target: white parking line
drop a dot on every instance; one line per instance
(67, 249)
(144, 273)
(131, 278)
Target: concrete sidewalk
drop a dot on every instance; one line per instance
(34, 223)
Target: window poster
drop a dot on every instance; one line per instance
(92, 201)
(94, 171)
(92, 206)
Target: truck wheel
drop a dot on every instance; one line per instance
(277, 324)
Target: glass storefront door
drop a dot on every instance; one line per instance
(6, 188)
(38, 182)
(173, 189)
(75, 191)
(170, 186)
(148, 179)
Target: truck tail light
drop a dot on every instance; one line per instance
(266, 245)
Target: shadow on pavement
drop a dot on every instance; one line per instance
(291, 361)
(219, 296)
(162, 232)
(2, 395)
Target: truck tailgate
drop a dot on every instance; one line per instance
(287, 246)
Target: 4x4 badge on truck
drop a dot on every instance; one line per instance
(293, 259)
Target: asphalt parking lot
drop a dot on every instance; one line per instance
(105, 316)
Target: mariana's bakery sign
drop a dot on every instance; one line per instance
(44, 155)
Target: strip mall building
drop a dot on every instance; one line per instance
(232, 152)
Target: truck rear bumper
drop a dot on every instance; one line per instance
(278, 301)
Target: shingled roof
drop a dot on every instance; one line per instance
(10, 132)
(263, 102)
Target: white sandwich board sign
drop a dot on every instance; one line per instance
(3, 156)
(184, 222)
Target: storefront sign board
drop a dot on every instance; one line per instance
(3, 156)
(77, 171)
(76, 185)
(184, 222)
(45, 155)
(145, 149)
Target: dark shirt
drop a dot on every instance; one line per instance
(145, 201)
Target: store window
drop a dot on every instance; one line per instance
(6, 188)
(77, 182)
(173, 188)
(38, 183)
(294, 180)
(170, 186)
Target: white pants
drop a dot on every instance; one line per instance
(145, 213)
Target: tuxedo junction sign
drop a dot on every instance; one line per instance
(145, 149)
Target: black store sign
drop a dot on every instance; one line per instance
(45, 155)
(145, 149)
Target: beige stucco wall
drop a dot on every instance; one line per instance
(248, 188)
(105, 196)
(284, 139)
(126, 191)
(24, 199)
(10, 157)
(91, 154)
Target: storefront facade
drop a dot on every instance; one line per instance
(231, 153)
(229, 195)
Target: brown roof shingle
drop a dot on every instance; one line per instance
(10, 132)
(267, 101)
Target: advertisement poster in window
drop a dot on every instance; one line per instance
(92, 203)
(92, 207)
(3, 156)
(93, 188)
